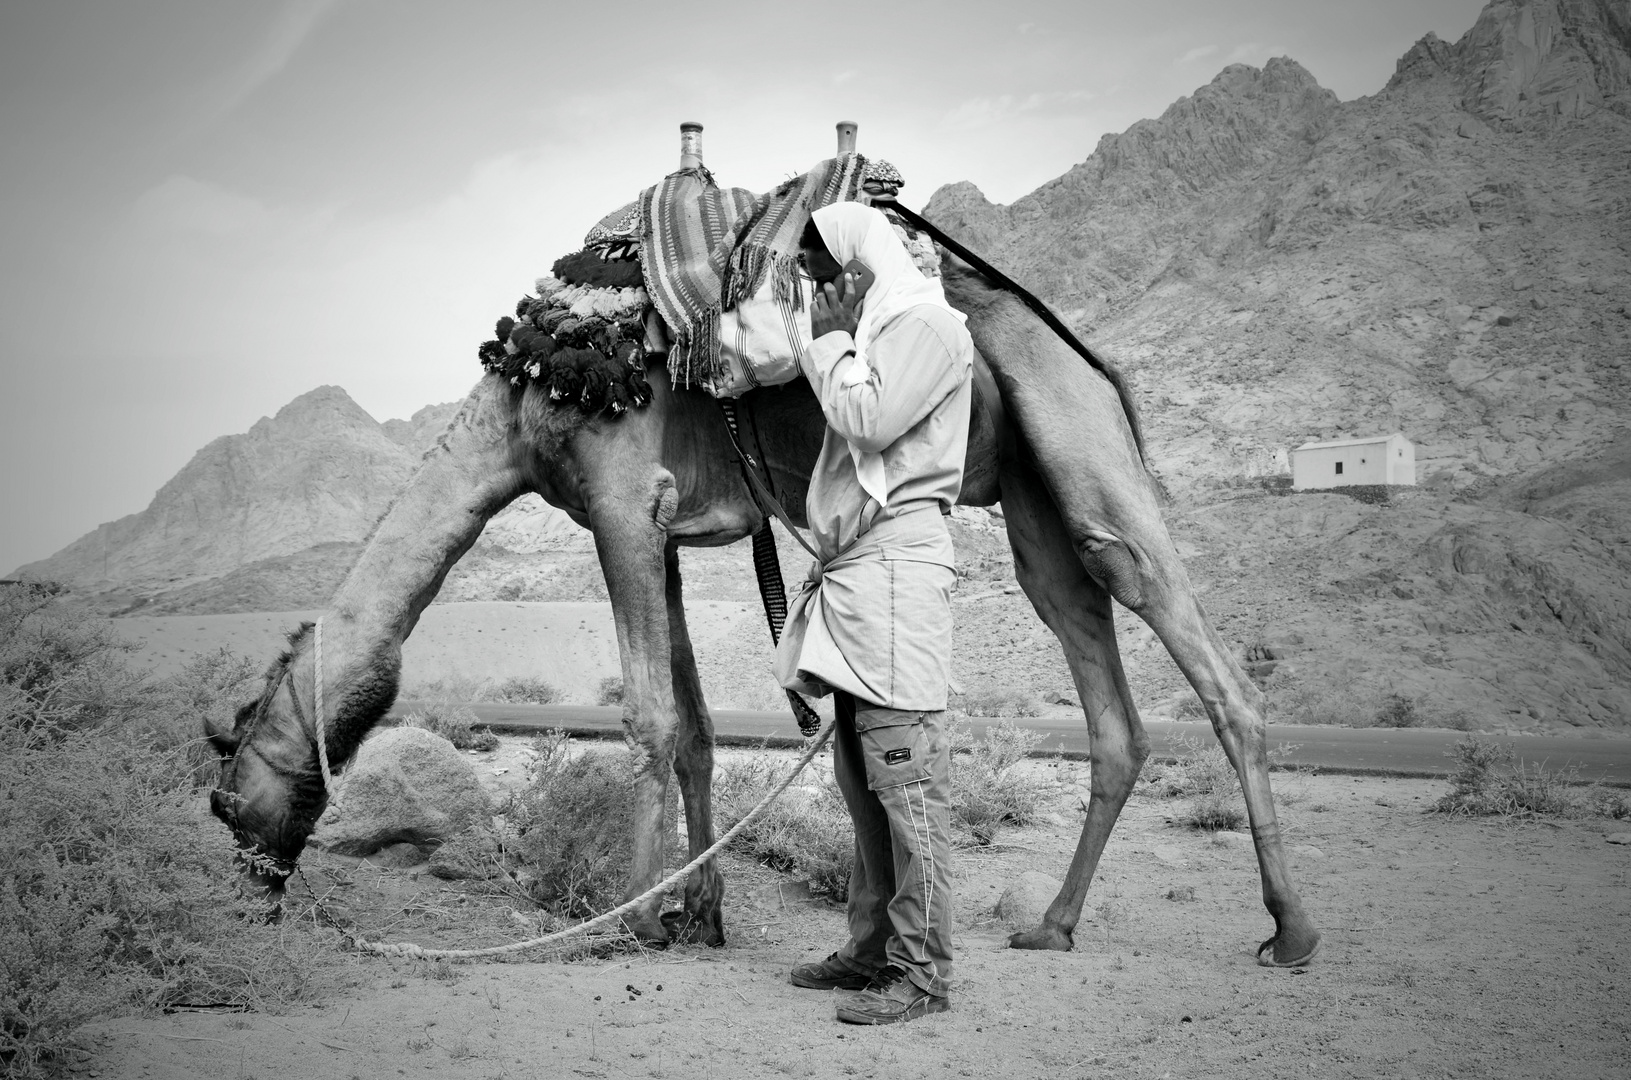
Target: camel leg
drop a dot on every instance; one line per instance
(1077, 609)
(631, 501)
(702, 920)
(1235, 706)
(1070, 424)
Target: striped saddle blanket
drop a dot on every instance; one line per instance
(720, 265)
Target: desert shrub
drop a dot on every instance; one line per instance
(999, 702)
(611, 690)
(1204, 776)
(1339, 698)
(529, 691)
(118, 891)
(987, 791)
(806, 832)
(1398, 711)
(455, 723)
(572, 828)
(467, 689)
(1489, 780)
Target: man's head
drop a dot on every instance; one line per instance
(819, 262)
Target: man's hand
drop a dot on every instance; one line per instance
(834, 310)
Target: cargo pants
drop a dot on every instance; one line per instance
(893, 768)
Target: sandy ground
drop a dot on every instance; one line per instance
(1453, 947)
(572, 646)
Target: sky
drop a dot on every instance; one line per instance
(209, 207)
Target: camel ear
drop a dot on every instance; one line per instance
(224, 741)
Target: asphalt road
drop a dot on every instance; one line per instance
(1380, 751)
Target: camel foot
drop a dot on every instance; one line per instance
(1045, 937)
(695, 928)
(648, 928)
(1289, 950)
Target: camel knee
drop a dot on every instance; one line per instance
(1111, 564)
(694, 760)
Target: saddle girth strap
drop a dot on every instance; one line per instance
(767, 561)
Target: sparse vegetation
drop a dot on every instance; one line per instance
(524, 691)
(572, 827)
(1340, 699)
(1398, 711)
(118, 892)
(1204, 776)
(807, 831)
(987, 791)
(466, 690)
(1490, 780)
(611, 690)
(455, 723)
(998, 702)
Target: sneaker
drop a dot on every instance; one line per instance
(830, 974)
(891, 998)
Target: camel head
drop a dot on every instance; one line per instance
(270, 791)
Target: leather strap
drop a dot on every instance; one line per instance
(767, 562)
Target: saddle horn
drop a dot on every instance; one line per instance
(690, 145)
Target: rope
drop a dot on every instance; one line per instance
(1042, 311)
(317, 708)
(419, 952)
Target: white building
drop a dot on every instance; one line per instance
(1376, 459)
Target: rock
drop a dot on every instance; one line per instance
(1618, 838)
(1167, 853)
(1023, 903)
(405, 785)
(1054, 697)
(472, 854)
(398, 856)
(1230, 838)
(1308, 851)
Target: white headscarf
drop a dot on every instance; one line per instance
(853, 231)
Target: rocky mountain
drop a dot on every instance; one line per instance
(1448, 258)
(320, 471)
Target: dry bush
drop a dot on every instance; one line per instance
(987, 791)
(524, 691)
(1490, 780)
(807, 831)
(455, 723)
(466, 689)
(118, 891)
(573, 829)
(1340, 699)
(999, 702)
(611, 691)
(1204, 776)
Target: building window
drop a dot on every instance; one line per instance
(1339, 468)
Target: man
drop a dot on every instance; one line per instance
(890, 363)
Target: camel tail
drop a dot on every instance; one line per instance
(1043, 312)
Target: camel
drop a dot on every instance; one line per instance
(1053, 439)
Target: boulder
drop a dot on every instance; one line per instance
(405, 786)
(1022, 904)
